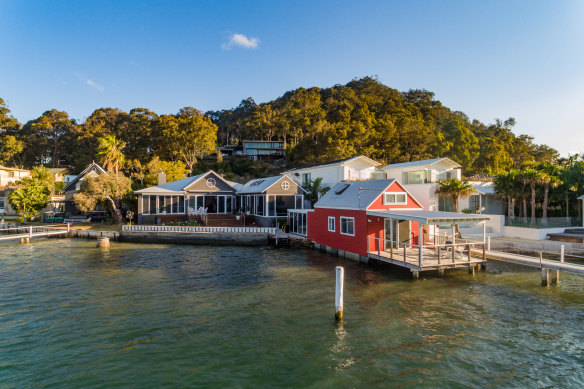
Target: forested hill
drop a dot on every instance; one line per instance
(318, 125)
(367, 117)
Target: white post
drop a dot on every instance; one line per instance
(562, 253)
(420, 242)
(489, 243)
(484, 230)
(68, 228)
(339, 293)
(480, 204)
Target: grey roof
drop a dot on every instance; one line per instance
(581, 197)
(180, 185)
(418, 163)
(90, 167)
(356, 194)
(339, 161)
(483, 187)
(429, 217)
(261, 184)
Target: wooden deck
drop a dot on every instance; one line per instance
(430, 259)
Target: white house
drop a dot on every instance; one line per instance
(484, 200)
(420, 179)
(357, 168)
(9, 175)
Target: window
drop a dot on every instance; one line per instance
(378, 176)
(417, 177)
(305, 178)
(348, 225)
(331, 223)
(394, 198)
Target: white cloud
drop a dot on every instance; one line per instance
(94, 85)
(83, 78)
(240, 40)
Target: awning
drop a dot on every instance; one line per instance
(430, 217)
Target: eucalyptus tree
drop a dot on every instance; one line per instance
(48, 138)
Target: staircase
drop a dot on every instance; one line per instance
(223, 220)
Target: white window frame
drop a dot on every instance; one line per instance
(332, 218)
(352, 219)
(386, 202)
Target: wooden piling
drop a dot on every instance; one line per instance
(471, 269)
(554, 277)
(103, 242)
(340, 280)
(415, 274)
(545, 277)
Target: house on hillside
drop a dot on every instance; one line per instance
(59, 173)
(270, 198)
(207, 192)
(420, 178)
(357, 168)
(484, 200)
(9, 175)
(74, 186)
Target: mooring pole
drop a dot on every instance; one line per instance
(340, 281)
(562, 253)
(488, 243)
(68, 228)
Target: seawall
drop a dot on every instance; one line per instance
(89, 234)
(197, 238)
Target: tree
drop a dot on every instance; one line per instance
(454, 189)
(314, 190)
(550, 177)
(7, 121)
(110, 151)
(506, 186)
(29, 200)
(106, 189)
(47, 137)
(10, 148)
(532, 177)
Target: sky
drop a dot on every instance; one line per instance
(488, 59)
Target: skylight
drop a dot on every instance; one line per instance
(342, 189)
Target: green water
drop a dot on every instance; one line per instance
(136, 315)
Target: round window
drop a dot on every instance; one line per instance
(285, 185)
(211, 182)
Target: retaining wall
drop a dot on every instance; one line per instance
(197, 238)
(89, 234)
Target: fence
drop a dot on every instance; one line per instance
(540, 222)
(143, 228)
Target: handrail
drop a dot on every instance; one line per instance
(431, 245)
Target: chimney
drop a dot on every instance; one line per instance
(161, 178)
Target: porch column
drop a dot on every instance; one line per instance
(420, 242)
(480, 204)
(390, 238)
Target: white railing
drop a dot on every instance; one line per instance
(142, 228)
(33, 231)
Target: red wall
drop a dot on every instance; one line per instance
(318, 225)
(395, 187)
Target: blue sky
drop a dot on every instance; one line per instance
(489, 59)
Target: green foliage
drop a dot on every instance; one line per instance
(454, 189)
(29, 200)
(10, 148)
(107, 189)
(110, 152)
(314, 190)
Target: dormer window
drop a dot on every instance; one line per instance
(399, 198)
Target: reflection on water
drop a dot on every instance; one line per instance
(74, 315)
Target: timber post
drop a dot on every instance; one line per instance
(562, 253)
(545, 277)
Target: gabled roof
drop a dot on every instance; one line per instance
(181, 185)
(13, 169)
(419, 163)
(354, 194)
(55, 170)
(262, 184)
(91, 167)
(337, 162)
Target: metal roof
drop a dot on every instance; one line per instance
(337, 162)
(262, 184)
(581, 197)
(354, 194)
(429, 217)
(180, 185)
(419, 163)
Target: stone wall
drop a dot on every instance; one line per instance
(197, 238)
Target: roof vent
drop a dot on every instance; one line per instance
(342, 189)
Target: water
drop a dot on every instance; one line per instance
(136, 315)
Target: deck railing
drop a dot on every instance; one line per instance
(452, 250)
(33, 231)
(250, 230)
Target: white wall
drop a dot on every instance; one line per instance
(530, 233)
(353, 170)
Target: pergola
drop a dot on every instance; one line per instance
(435, 218)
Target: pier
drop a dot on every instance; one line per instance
(26, 233)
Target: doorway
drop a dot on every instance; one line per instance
(397, 231)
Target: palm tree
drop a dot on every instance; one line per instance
(314, 190)
(506, 186)
(454, 189)
(110, 151)
(550, 178)
(531, 177)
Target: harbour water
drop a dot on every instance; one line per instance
(72, 315)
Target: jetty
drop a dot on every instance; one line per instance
(26, 233)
